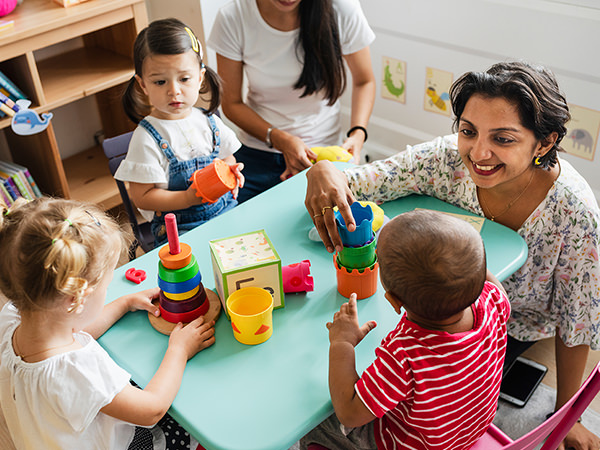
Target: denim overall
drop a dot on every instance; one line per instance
(179, 180)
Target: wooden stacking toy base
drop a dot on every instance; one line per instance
(165, 327)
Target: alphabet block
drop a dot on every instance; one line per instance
(247, 260)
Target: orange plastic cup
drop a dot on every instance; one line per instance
(361, 281)
(213, 181)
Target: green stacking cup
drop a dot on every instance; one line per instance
(358, 257)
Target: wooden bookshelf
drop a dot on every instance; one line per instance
(32, 56)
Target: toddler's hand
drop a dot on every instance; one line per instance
(191, 197)
(194, 337)
(345, 325)
(143, 301)
(237, 171)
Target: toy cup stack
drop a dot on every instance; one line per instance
(213, 181)
(356, 265)
(183, 298)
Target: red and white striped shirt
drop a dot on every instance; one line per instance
(434, 390)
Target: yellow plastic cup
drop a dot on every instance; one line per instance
(251, 312)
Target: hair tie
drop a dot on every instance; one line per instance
(69, 222)
(195, 43)
(54, 241)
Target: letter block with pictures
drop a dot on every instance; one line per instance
(246, 260)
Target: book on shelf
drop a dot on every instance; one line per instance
(11, 187)
(5, 195)
(7, 105)
(9, 94)
(20, 178)
(14, 93)
(29, 178)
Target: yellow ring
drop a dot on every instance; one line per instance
(324, 208)
(317, 215)
(184, 295)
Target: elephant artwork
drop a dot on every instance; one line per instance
(581, 137)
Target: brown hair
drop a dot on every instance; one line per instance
(434, 263)
(542, 107)
(54, 248)
(165, 37)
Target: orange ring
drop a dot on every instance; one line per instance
(181, 259)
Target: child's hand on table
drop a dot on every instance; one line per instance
(345, 326)
(142, 301)
(193, 337)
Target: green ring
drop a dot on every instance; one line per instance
(178, 275)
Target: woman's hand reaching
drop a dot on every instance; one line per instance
(328, 187)
(296, 153)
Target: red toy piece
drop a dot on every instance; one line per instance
(135, 275)
(172, 234)
(296, 277)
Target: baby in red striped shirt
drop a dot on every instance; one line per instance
(436, 378)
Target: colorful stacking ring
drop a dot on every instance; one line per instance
(177, 261)
(183, 306)
(181, 287)
(183, 296)
(178, 275)
(184, 317)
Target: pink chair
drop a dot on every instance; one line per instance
(555, 428)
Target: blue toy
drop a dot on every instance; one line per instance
(26, 121)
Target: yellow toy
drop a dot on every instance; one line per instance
(332, 153)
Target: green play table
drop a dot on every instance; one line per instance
(265, 397)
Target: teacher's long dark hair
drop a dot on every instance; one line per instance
(320, 39)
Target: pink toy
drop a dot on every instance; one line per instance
(135, 275)
(296, 277)
(172, 234)
(6, 6)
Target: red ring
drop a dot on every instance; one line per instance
(184, 317)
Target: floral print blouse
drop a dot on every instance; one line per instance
(559, 284)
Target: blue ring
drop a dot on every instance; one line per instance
(179, 288)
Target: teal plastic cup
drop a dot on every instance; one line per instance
(363, 216)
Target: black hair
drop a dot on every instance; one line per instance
(319, 39)
(534, 90)
(165, 37)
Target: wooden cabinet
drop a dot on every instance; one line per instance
(57, 56)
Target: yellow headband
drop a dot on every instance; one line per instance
(195, 44)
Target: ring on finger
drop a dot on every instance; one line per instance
(324, 209)
(317, 215)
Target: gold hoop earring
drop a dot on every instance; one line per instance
(537, 161)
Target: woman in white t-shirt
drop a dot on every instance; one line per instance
(292, 54)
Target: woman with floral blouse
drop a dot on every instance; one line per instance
(502, 164)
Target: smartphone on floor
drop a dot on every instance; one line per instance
(521, 380)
